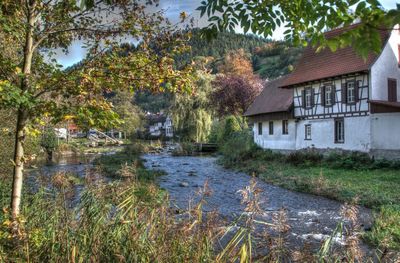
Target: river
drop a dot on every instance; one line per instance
(311, 218)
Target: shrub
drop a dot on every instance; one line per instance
(305, 157)
(348, 160)
(238, 148)
(217, 132)
(231, 127)
(184, 149)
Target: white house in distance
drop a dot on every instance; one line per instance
(337, 100)
(160, 125)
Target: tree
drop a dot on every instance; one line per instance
(129, 114)
(49, 142)
(305, 21)
(191, 113)
(233, 94)
(36, 87)
(237, 62)
(237, 87)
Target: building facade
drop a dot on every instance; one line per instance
(340, 101)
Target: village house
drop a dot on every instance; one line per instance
(334, 100)
(160, 125)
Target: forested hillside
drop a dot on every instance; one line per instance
(270, 59)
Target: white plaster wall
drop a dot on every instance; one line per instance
(385, 129)
(277, 141)
(386, 66)
(357, 134)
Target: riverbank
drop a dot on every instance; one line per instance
(100, 217)
(351, 178)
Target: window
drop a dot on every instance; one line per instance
(308, 98)
(339, 130)
(329, 95)
(351, 92)
(307, 132)
(271, 128)
(285, 127)
(260, 128)
(398, 53)
(392, 90)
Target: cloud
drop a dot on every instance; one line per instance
(172, 9)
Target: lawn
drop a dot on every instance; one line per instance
(372, 188)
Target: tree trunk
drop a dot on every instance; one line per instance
(18, 165)
(22, 114)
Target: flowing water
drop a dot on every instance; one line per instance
(312, 218)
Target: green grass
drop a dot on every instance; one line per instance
(373, 188)
(126, 163)
(386, 230)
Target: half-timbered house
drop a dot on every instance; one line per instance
(341, 101)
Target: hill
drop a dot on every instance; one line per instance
(271, 59)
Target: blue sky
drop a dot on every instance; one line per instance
(172, 10)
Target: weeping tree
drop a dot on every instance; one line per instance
(36, 88)
(191, 112)
(131, 116)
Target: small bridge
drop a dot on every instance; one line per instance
(206, 147)
(96, 141)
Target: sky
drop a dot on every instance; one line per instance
(172, 10)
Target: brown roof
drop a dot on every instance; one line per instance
(380, 106)
(272, 99)
(325, 64)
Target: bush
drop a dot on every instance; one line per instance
(217, 132)
(348, 160)
(231, 127)
(239, 147)
(184, 149)
(306, 158)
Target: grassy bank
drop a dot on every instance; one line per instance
(347, 177)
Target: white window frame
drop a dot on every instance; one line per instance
(260, 128)
(307, 132)
(328, 95)
(271, 128)
(339, 131)
(308, 97)
(285, 127)
(351, 92)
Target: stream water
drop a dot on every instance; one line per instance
(312, 218)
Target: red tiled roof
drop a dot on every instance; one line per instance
(325, 64)
(272, 99)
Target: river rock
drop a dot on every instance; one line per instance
(183, 184)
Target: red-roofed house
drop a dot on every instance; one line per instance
(340, 101)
